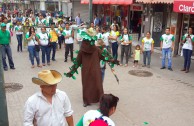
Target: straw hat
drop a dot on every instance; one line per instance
(47, 77)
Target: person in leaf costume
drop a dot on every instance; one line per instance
(89, 58)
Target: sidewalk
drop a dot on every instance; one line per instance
(165, 99)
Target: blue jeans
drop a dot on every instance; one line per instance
(187, 58)
(147, 55)
(6, 50)
(45, 54)
(115, 50)
(103, 73)
(19, 38)
(168, 52)
(53, 47)
(33, 54)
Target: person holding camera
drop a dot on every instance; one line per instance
(188, 40)
(33, 46)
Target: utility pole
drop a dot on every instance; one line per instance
(90, 10)
(3, 102)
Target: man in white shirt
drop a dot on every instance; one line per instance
(50, 106)
(78, 19)
(167, 47)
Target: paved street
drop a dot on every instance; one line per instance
(164, 99)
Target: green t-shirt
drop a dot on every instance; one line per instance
(4, 37)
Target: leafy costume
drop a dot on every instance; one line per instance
(89, 58)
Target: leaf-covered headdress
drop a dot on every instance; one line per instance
(89, 35)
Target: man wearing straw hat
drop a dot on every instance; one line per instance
(50, 106)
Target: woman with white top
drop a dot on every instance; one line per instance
(147, 49)
(126, 40)
(43, 37)
(188, 40)
(114, 34)
(32, 39)
(100, 117)
(19, 33)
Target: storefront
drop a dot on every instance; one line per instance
(110, 10)
(186, 10)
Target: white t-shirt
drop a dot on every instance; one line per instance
(79, 38)
(44, 38)
(17, 28)
(167, 40)
(126, 38)
(31, 42)
(188, 43)
(105, 38)
(70, 39)
(91, 115)
(147, 43)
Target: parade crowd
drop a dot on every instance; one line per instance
(43, 35)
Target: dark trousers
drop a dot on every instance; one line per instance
(60, 40)
(187, 58)
(6, 50)
(19, 38)
(147, 55)
(115, 50)
(124, 50)
(53, 48)
(69, 48)
(45, 54)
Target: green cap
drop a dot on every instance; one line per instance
(3, 25)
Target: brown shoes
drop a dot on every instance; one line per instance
(187, 71)
(183, 69)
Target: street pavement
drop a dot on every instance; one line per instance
(164, 99)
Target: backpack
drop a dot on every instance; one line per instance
(99, 122)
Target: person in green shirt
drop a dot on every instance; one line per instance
(5, 40)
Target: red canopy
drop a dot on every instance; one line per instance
(118, 2)
(184, 6)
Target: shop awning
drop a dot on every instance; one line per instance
(155, 1)
(184, 6)
(116, 2)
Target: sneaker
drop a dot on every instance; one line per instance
(48, 64)
(39, 66)
(13, 68)
(163, 68)
(126, 65)
(148, 66)
(143, 65)
(5, 69)
(53, 60)
(183, 69)
(43, 64)
(187, 71)
(170, 69)
(121, 64)
(32, 66)
(133, 66)
(65, 60)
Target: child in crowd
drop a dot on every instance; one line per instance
(137, 53)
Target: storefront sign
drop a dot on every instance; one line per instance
(184, 6)
(136, 7)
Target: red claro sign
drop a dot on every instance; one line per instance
(184, 7)
(136, 7)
